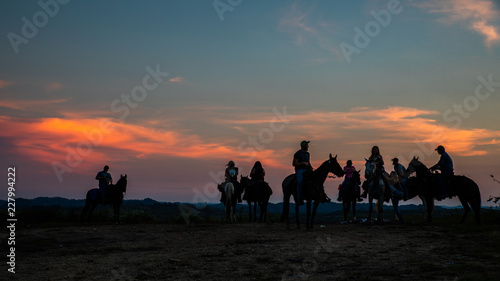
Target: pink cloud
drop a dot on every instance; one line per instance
(4, 83)
(52, 87)
(176, 79)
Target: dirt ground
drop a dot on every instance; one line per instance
(253, 251)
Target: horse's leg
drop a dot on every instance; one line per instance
(308, 217)
(286, 207)
(92, 207)
(297, 215)
(395, 208)
(465, 204)
(249, 211)
(354, 209)
(370, 208)
(315, 207)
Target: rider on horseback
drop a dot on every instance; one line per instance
(105, 180)
(231, 175)
(445, 165)
(301, 162)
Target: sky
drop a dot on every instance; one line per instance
(167, 92)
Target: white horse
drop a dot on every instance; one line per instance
(377, 188)
(230, 202)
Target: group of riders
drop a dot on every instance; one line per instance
(396, 180)
(302, 164)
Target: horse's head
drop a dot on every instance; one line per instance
(121, 184)
(244, 181)
(370, 168)
(416, 166)
(334, 166)
(356, 176)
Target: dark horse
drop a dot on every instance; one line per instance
(114, 196)
(312, 190)
(350, 195)
(257, 193)
(426, 185)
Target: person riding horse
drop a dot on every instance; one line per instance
(302, 164)
(445, 165)
(257, 175)
(105, 180)
(231, 175)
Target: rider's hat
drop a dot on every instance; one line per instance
(440, 147)
(303, 143)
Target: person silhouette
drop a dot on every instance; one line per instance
(301, 163)
(445, 165)
(105, 180)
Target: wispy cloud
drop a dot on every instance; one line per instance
(4, 83)
(29, 104)
(177, 79)
(477, 15)
(52, 87)
(308, 32)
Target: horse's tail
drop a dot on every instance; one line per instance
(287, 189)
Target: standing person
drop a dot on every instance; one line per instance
(301, 162)
(348, 170)
(105, 180)
(445, 165)
(400, 171)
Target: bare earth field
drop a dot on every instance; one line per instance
(253, 251)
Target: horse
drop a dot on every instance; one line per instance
(230, 202)
(312, 191)
(426, 185)
(114, 196)
(379, 189)
(257, 193)
(350, 195)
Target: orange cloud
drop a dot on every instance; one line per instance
(176, 79)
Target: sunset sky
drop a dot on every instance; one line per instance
(168, 92)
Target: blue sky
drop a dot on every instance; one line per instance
(227, 78)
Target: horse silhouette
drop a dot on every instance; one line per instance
(114, 196)
(426, 185)
(257, 193)
(312, 191)
(379, 189)
(350, 195)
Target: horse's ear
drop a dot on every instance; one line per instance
(331, 156)
(335, 156)
(366, 160)
(417, 158)
(121, 176)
